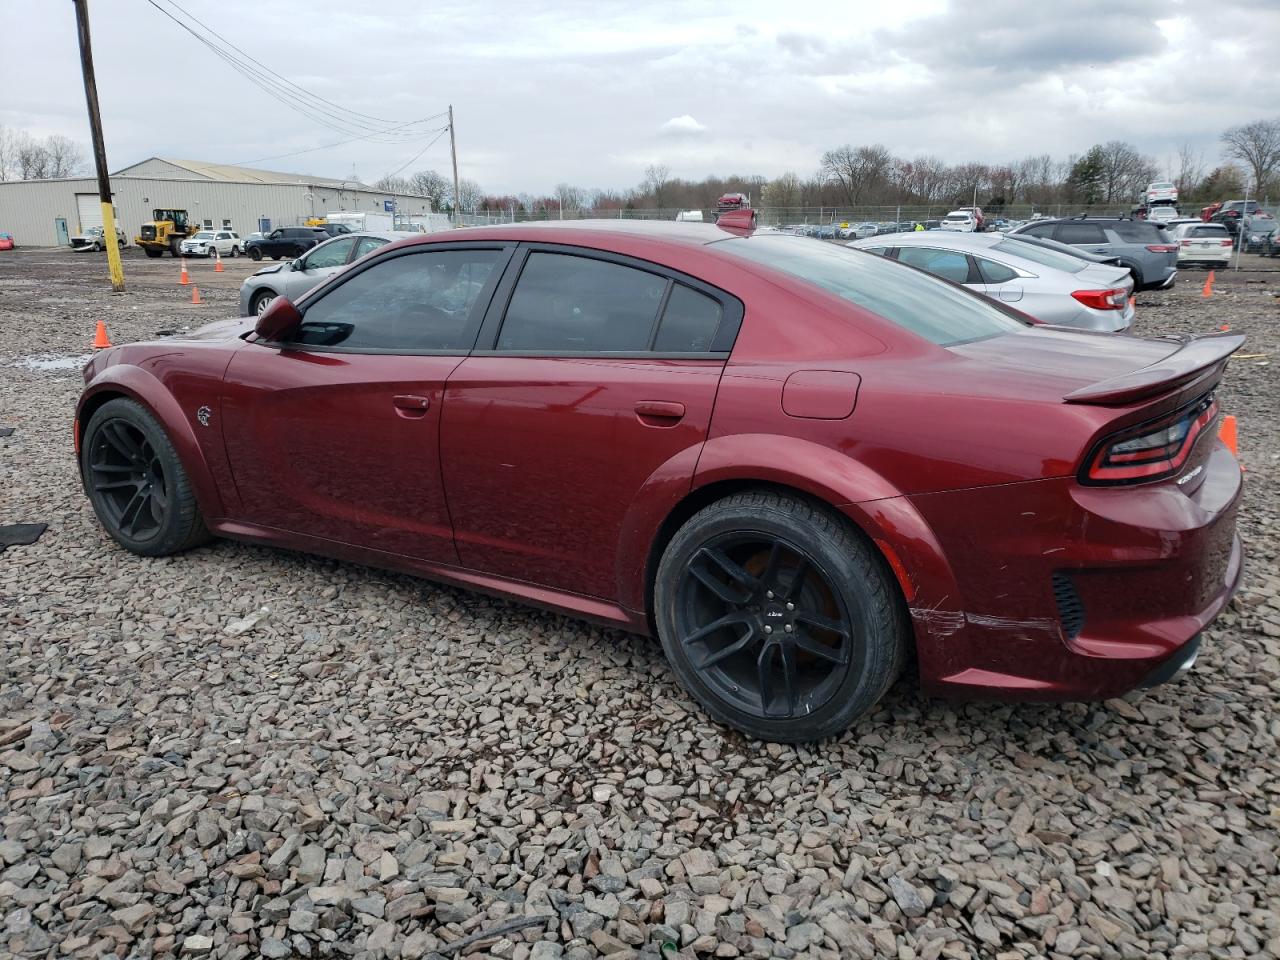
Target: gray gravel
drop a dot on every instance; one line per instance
(245, 752)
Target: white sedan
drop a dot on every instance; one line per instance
(1206, 243)
(1055, 287)
(227, 243)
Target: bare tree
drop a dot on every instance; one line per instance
(782, 191)
(32, 158)
(1257, 145)
(656, 178)
(1123, 171)
(857, 171)
(572, 199)
(66, 157)
(1190, 170)
(470, 194)
(391, 184)
(429, 183)
(8, 151)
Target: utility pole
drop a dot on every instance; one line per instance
(99, 151)
(453, 149)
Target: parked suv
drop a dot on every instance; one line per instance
(1145, 248)
(1229, 214)
(285, 242)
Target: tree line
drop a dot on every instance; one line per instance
(1112, 173)
(24, 157)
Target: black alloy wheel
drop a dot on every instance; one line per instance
(779, 616)
(126, 474)
(136, 483)
(762, 625)
(255, 254)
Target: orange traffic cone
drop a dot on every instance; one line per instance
(1225, 328)
(218, 266)
(195, 296)
(1227, 433)
(184, 279)
(1208, 286)
(100, 339)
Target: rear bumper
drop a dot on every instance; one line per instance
(1076, 593)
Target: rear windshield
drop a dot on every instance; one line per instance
(912, 299)
(1210, 230)
(1161, 186)
(1041, 255)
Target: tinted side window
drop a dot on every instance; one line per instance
(1041, 230)
(1080, 233)
(941, 263)
(689, 323)
(564, 303)
(330, 255)
(420, 301)
(993, 272)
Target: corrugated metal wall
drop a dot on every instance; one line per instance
(29, 208)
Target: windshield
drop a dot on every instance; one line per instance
(912, 299)
(203, 236)
(1041, 255)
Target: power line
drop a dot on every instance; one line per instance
(416, 155)
(259, 63)
(326, 146)
(316, 108)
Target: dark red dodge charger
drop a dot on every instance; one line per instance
(800, 465)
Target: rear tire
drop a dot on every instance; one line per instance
(255, 254)
(779, 617)
(136, 483)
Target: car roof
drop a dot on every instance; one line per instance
(975, 241)
(585, 232)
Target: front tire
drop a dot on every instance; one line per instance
(258, 305)
(153, 253)
(136, 483)
(255, 254)
(778, 617)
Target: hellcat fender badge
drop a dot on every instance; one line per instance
(203, 415)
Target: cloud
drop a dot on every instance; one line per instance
(682, 126)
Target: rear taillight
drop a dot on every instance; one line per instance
(1151, 450)
(1186, 243)
(1162, 247)
(1113, 299)
(1226, 243)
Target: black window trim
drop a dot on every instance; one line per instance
(478, 310)
(731, 308)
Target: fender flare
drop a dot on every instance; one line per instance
(141, 386)
(882, 512)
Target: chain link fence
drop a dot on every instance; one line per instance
(808, 216)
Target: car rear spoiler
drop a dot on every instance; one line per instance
(1198, 359)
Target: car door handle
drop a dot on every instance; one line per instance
(666, 410)
(412, 406)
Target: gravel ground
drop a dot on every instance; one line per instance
(246, 752)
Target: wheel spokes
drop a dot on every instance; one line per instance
(729, 650)
(118, 437)
(822, 622)
(819, 649)
(738, 591)
(798, 576)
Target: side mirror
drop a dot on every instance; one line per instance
(280, 319)
(297, 264)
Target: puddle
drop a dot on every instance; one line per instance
(51, 362)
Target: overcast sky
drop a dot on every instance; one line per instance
(591, 92)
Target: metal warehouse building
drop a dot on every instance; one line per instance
(46, 213)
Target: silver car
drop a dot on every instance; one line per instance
(1053, 287)
(296, 277)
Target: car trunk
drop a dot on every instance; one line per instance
(1098, 368)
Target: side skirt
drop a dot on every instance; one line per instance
(547, 598)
